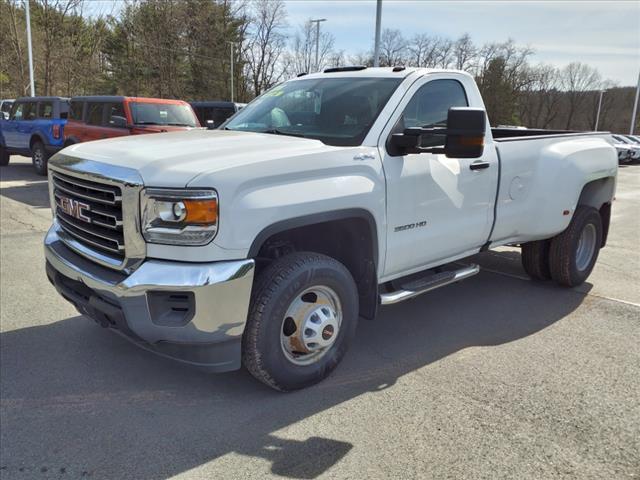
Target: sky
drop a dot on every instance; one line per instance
(603, 34)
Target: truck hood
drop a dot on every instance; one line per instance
(173, 159)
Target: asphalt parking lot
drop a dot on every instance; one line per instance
(495, 377)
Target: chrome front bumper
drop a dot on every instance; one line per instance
(210, 320)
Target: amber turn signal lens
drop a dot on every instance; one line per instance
(201, 211)
(471, 141)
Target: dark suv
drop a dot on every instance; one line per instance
(34, 129)
(214, 114)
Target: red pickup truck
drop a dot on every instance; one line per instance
(98, 117)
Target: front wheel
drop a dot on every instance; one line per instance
(303, 315)
(39, 158)
(573, 253)
(4, 157)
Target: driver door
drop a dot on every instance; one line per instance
(438, 208)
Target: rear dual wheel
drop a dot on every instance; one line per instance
(569, 257)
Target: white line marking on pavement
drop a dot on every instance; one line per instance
(520, 277)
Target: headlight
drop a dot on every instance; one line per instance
(179, 217)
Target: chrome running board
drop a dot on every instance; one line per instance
(424, 285)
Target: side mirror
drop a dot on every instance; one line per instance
(210, 125)
(465, 132)
(464, 135)
(118, 122)
(5, 115)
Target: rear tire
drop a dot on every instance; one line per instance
(39, 157)
(573, 253)
(535, 259)
(282, 321)
(4, 157)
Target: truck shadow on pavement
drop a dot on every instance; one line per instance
(79, 400)
(32, 188)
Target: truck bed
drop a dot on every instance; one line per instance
(512, 134)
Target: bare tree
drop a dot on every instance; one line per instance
(423, 51)
(445, 53)
(577, 80)
(303, 54)
(540, 100)
(51, 15)
(605, 108)
(266, 44)
(336, 59)
(362, 58)
(12, 22)
(393, 48)
(464, 52)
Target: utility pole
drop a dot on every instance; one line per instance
(31, 84)
(231, 57)
(635, 108)
(317, 22)
(602, 92)
(376, 50)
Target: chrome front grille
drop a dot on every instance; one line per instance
(96, 209)
(90, 212)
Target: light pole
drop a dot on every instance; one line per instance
(602, 92)
(231, 44)
(376, 49)
(33, 89)
(635, 108)
(317, 22)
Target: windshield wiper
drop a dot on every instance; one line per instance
(148, 123)
(180, 124)
(282, 132)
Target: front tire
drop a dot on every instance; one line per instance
(39, 158)
(573, 253)
(303, 316)
(4, 157)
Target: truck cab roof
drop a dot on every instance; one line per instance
(377, 72)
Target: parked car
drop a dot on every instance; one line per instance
(622, 149)
(100, 117)
(633, 149)
(5, 107)
(214, 114)
(35, 129)
(262, 242)
(634, 138)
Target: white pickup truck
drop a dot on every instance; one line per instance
(262, 243)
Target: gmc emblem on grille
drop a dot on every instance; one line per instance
(74, 208)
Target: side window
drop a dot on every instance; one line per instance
(30, 111)
(430, 105)
(17, 111)
(64, 109)
(45, 110)
(94, 113)
(115, 114)
(75, 110)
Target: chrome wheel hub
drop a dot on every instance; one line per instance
(37, 156)
(586, 247)
(311, 325)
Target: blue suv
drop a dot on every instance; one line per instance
(34, 129)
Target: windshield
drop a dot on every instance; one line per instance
(162, 114)
(337, 111)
